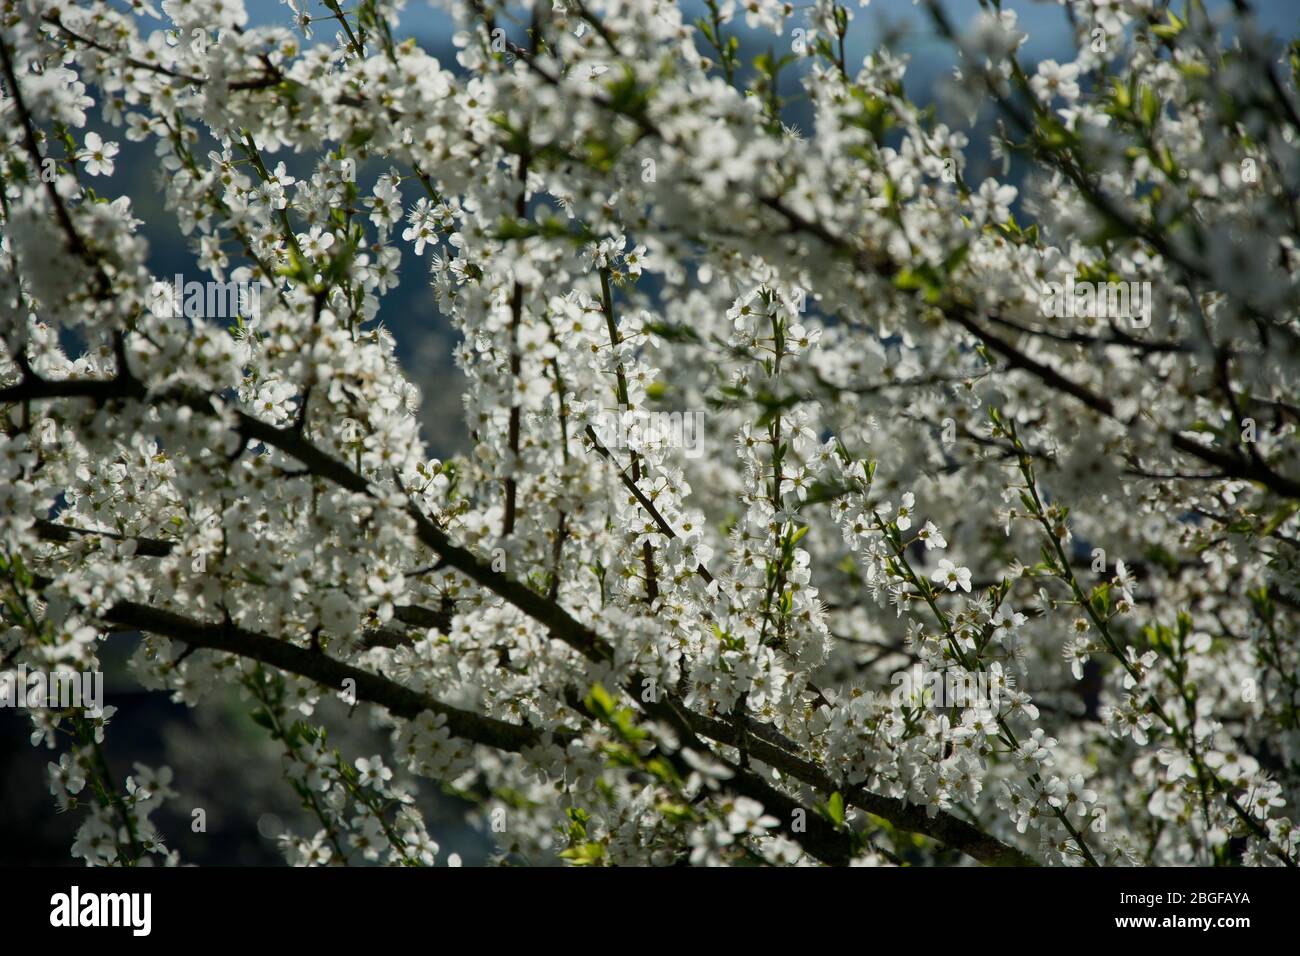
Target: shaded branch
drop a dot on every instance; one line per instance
(397, 699)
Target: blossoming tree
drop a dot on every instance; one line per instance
(624, 651)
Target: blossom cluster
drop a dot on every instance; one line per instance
(627, 652)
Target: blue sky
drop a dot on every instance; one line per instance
(1044, 20)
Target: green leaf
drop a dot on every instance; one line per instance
(585, 854)
(599, 702)
(1150, 106)
(1280, 518)
(835, 809)
(1167, 31)
(956, 257)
